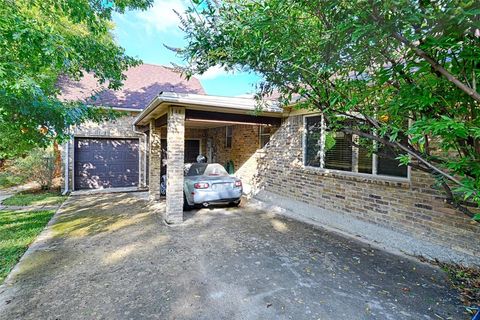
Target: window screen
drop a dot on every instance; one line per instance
(388, 165)
(365, 161)
(312, 141)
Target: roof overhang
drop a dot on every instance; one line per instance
(226, 105)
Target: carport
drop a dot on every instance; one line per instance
(229, 130)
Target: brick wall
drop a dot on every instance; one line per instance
(175, 164)
(244, 152)
(118, 128)
(192, 133)
(245, 142)
(413, 207)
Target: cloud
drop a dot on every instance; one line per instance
(212, 73)
(161, 16)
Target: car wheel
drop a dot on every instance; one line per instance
(186, 206)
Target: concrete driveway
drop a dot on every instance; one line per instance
(110, 257)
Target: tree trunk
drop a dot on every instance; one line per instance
(58, 160)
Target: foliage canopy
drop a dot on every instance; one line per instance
(405, 71)
(41, 40)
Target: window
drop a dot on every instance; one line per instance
(387, 164)
(228, 136)
(264, 134)
(313, 141)
(336, 150)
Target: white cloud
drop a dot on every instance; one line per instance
(161, 16)
(212, 73)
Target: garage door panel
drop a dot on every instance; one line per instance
(117, 155)
(132, 156)
(106, 163)
(85, 155)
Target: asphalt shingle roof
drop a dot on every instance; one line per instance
(143, 83)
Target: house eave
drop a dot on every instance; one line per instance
(158, 106)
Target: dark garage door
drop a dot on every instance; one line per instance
(105, 163)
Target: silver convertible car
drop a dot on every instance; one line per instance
(209, 183)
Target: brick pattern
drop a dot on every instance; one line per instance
(119, 128)
(155, 161)
(175, 164)
(244, 152)
(245, 142)
(413, 207)
(193, 133)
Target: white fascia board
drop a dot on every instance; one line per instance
(188, 99)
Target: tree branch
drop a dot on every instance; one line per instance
(435, 65)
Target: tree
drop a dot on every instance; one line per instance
(41, 40)
(405, 71)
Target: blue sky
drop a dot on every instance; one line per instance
(143, 33)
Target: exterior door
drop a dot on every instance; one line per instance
(192, 150)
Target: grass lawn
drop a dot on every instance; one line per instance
(8, 180)
(38, 198)
(17, 231)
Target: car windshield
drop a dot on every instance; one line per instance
(212, 169)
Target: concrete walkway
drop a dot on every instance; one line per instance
(110, 257)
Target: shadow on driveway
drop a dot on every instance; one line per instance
(110, 256)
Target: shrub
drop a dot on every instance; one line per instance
(38, 165)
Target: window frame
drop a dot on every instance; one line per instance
(262, 134)
(321, 168)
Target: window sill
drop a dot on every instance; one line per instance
(360, 177)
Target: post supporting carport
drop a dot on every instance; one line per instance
(155, 161)
(175, 163)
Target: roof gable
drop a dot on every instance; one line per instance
(143, 83)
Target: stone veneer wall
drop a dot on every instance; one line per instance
(121, 127)
(413, 207)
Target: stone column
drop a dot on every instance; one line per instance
(154, 165)
(175, 164)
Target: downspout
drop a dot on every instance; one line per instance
(67, 167)
(144, 155)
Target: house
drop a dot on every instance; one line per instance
(275, 150)
(113, 153)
